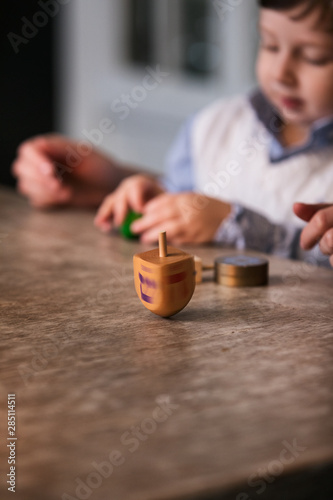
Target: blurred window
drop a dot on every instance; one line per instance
(191, 51)
(188, 41)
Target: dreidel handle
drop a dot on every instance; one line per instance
(162, 244)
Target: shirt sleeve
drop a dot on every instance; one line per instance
(246, 229)
(179, 162)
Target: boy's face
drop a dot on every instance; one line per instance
(295, 65)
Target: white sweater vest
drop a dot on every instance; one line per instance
(231, 162)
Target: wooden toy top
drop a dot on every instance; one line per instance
(174, 255)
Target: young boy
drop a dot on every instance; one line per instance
(238, 166)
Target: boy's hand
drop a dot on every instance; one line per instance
(53, 170)
(186, 217)
(132, 194)
(319, 228)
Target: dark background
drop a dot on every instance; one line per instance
(26, 82)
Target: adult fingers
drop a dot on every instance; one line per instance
(51, 154)
(40, 189)
(53, 146)
(321, 222)
(40, 197)
(28, 171)
(34, 156)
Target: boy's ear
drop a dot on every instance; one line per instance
(306, 211)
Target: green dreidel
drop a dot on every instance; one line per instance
(125, 228)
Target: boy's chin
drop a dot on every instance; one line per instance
(294, 118)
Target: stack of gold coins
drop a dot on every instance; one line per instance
(241, 270)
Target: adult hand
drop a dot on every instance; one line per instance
(54, 170)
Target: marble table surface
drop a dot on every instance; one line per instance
(231, 398)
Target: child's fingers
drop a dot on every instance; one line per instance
(171, 228)
(145, 223)
(112, 211)
(137, 199)
(306, 211)
(105, 210)
(157, 214)
(120, 209)
(158, 211)
(149, 220)
(321, 222)
(158, 203)
(141, 191)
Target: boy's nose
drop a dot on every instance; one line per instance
(284, 69)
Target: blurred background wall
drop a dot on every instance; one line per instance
(122, 74)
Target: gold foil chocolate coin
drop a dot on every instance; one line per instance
(241, 270)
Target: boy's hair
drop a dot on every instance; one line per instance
(325, 6)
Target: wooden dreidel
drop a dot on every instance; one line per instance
(200, 267)
(164, 278)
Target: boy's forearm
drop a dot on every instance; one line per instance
(246, 229)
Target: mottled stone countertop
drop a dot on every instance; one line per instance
(231, 398)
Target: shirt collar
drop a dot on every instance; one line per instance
(321, 134)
